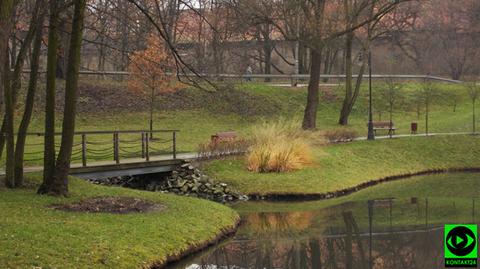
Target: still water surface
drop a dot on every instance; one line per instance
(406, 229)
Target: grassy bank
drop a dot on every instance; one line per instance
(33, 235)
(341, 166)
(449, 198)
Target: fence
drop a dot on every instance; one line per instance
(293, 78)
(115, 145)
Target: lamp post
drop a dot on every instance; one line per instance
(297, 49)
(371, 134)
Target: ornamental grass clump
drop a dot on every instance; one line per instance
(278, 147)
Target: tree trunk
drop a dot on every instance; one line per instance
(16, 77)
(348, 240)
(63, 40)
(391, 119)
(101, 56)
(124, 35)
(8, 132)
(303, 61)
(62, 167)
(315, 255)
(267, 50)
(13, 41)
(473, 117)
(49, 139)
(268, 62)
(347, 110)
(351, 94)
(152, 103)
(6, 11)
(426, 116)
(310, 115)
(30, 99)
(348, 80)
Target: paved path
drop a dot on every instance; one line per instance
(193, 155)
(362, 138)
(300, 85)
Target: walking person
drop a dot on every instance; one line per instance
(248, 76)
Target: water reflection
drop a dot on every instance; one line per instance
(299, 240)
(406, 231)
(392, 251)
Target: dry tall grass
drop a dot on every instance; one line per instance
(278, 147)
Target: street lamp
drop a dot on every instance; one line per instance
(371, 133)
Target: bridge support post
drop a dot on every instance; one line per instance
(174, 139)
(84, 150)
(147, 151)
(143, 145)
(116, 155)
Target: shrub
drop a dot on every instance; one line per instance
(222, 148)
(278, 147)
(340, 135)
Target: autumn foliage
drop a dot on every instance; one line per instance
(152, 71)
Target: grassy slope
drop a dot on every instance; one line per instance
(197, 125)
(346, 165)
(33, 235)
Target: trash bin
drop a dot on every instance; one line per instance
(413, 128)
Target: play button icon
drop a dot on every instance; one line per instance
(461, 241)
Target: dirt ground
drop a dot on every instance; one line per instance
(118, 205)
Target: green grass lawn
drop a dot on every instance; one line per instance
(246, 106)
(33, 235)
(341, 166)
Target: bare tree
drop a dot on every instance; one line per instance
(378, 27)
(456, 33)
(6, 11)
(59, 182)
(474, 93)
(351, 93)
(321, 19)
(62, 165)
(428, 92)
(49, 138)
(325, 31)
(425, 29)
(391, 93)
(30, 98)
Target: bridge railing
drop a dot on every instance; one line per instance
(114, 146)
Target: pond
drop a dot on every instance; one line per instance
(393, 225)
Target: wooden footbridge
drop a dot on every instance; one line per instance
(114, 153)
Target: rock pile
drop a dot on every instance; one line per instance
(190, 181)
(185, 180)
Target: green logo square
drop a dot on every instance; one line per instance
(461, 245)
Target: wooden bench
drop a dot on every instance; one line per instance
(384, 125)
(223, 136)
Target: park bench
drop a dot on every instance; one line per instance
(384, 125)
(223, 136)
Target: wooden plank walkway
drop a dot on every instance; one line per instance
(125, 164)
